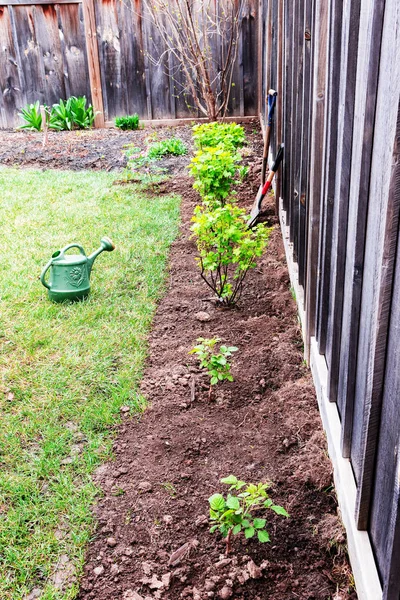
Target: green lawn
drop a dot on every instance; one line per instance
(66, 369)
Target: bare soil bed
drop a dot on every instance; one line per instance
(152, 539)
(98, 149)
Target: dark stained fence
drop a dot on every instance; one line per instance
(336, 66)
(108, 50)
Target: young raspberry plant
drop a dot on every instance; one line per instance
(216, 362)
(233, 515)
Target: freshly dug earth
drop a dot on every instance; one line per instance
(98, 149)
(152, 539)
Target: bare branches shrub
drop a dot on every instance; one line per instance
(202, 36)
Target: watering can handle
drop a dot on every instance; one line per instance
(63, 251)
(43, 273)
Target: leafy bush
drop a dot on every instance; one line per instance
(71, 114)
(216, 363)
(233, 515)
(230, 135)
(127, 122)
(227, 248)
(32, 117)
(173, 146)
(214, 171)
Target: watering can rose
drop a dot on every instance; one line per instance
(70, 273)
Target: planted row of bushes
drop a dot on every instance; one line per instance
(227, 250)
(227, 247)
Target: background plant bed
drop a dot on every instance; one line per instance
(264, 425)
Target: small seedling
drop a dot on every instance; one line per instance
(217, 363)
(168, 487)
(233, 514)
(142, 169)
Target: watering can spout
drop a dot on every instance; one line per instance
(106, 245)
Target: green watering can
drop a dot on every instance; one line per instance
(70, 273)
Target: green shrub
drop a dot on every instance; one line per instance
(214, 171)
(32, 117)
(71, 114)
(142, 169)
(230, 135)
(217, 363)
(233, 515)
(127, 122)
(227, 248)
(172, 146)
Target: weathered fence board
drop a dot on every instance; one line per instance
(343, 260)
(328, 191)
(316, 174)
(111, 52)
(371, 22)
(349, 45)
(43, 56)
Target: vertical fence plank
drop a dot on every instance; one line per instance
(305, 137)
(287, 107)
(384, 520)
(317, 138)
(92, 49)
(380, 244)
(72, 34)
(371, 24)
(11, 87)
(349, 46)
(328, 186)
(295, 132)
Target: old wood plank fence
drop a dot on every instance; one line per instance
(103, 49)
(336, 67)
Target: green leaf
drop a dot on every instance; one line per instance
(259, 523)
(279, 510)
(214, 380)
(230, 480)
(217, 502)
(249, 532)
(263, 536)
(237, 529)
(246, 523)
(233, 502)
(213, 528)
(268, 503)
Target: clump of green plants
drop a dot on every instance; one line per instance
(170, 147)
(234, 514)
(65, 115)
(215, 361)
(214, 171)
(32, 117)
(229, 135)
(71, 114)
(127, 122)
(142, 169)
(227, 249)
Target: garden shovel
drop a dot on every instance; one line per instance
(271, 101)
(255, 211)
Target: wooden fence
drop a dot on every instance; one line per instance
(52, 49)
(336, 67)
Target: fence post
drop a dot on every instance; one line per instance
(89, 19)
